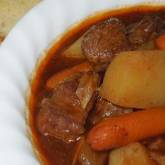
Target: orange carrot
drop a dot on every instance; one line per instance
(65, 74)
(160, 42)
(118, 131)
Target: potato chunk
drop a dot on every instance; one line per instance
(133, 154)
(136, 79)
(74, 50)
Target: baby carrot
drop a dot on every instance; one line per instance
(160, 42)
(63, 75)
(118, 131)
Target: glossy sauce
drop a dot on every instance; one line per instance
(52, 151)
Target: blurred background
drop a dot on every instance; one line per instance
(11, 11)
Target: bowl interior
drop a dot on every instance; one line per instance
(20, 53)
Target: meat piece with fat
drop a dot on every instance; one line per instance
(102, 41)
(141, 31)
(63, 115)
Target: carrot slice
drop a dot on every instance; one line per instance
(118, 131)
(160, 42)
(65, 74)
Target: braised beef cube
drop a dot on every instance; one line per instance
(140, 32)
(57, 122)
(63, 115)
(65, 96)
(104, 109)
(102, 41)
(84, 155)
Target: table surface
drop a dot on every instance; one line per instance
(11, 12)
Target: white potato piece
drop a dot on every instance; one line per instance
(133, 154)
(136, 79)
(74, 50)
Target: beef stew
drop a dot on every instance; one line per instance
(68, 106)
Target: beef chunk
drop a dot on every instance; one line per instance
(65, 96)
(62, 115)
(105, 109)
(140, 32)
(57, 122)
(104, 40)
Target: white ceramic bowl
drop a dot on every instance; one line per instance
(18, 56)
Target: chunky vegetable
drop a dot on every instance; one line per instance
(136, 79)
(74, 51)
(67, 73)
(118, 131)
(84, 155)
(87, 88)
(160, 42)
(133, 154)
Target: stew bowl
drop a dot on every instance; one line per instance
(22, 51)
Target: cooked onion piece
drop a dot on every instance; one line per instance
(74, 51)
